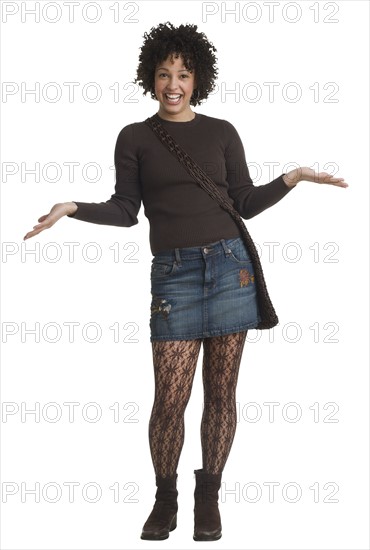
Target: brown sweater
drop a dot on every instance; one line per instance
(180, 213)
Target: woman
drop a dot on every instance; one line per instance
(202, 276)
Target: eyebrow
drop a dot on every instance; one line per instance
(160, 68)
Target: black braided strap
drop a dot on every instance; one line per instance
(267, 312)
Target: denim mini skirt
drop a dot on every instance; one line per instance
(202, 291)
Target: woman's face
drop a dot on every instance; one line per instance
(173, 86)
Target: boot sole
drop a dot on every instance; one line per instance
(172, 527)
(206, 538)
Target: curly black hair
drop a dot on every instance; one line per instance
(195, 49)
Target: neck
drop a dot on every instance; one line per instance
(187, 116)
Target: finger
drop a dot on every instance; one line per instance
(32, 234)
(337, 183)
(324, 176)
(330, 179)
(333, 178)
(42, 225)
(341, 184)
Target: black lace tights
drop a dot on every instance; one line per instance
(174, 368)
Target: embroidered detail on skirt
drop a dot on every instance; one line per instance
(245, 277)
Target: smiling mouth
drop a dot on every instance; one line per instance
(173, 99)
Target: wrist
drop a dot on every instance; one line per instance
(70, 208)
(291, 178)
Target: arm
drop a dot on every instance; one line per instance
(250, 200)
(123, 206)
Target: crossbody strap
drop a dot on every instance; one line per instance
(268, 315)
(193, 169)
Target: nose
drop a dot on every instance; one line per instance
(172, 84)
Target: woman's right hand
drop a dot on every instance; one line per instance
(48, 220)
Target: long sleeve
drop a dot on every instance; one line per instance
(249, 200)
(124, 205)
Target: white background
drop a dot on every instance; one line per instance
(317, 357)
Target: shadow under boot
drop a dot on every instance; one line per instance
(163, 517)
(207, 520)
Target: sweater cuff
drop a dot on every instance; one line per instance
(284, 185)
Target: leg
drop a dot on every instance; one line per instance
(221, 361)
(174, 368)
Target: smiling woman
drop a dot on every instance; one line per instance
(206, 283)
(173, 87)
(177, 61)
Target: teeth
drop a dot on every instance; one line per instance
(173, 96)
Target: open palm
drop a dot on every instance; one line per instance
(309, 174)
(48, 220)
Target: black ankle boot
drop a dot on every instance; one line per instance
(207, 520)
(163, 517)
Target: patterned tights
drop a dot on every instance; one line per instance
(174, 368)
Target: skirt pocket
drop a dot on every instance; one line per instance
(239, 253)
(163, 268)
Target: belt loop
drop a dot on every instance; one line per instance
(225, 247)
(178, 257)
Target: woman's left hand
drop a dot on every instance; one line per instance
(308, 174)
